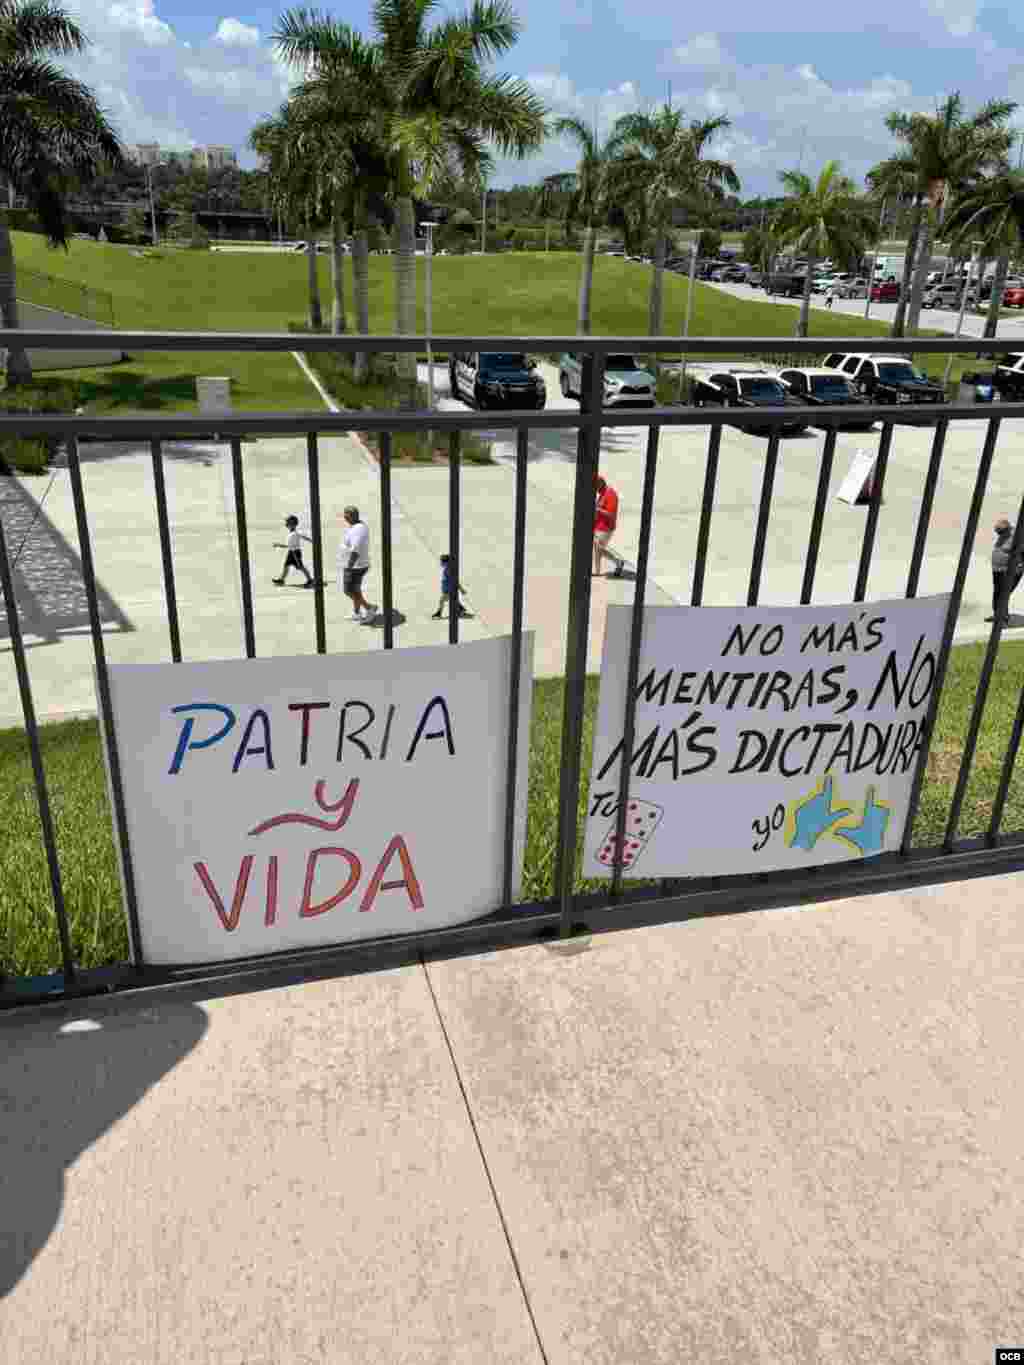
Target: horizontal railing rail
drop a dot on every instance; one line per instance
(997, 850)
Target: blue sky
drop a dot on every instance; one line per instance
(817, 83)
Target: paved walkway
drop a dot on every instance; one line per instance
(787, 1137)
(39, 522)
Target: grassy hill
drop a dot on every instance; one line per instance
(521, 293)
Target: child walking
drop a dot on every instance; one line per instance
(446, 590)
(293, 559)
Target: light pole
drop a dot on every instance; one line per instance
(975, 257)
(483, 224)
(430, 311)
(149, 182)
(689, 306)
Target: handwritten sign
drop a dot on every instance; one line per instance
(288, 803)
(767, 738)
(856, 487)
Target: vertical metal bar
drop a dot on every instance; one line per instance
(1009, 759)
(454, 535)
(710, 475)
(984, 681)
(588, 452)
(814, 543)
(518, 588)
(243, 547)
(955, 597)
(760, 536)
(871, 525)
(388, 582)
(165, 549)
(927, 498)
(635, 644)
(106, 707)
(313, 463)
(36, 755)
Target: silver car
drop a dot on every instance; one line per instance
(626, 382)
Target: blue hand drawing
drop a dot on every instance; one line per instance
(869, 835)
(815, 817)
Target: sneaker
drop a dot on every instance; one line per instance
(436, 616)
(278, 581)
(464, 612)
(355, 616)
(309, 584)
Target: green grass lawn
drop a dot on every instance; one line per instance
(518, 293)
(74, 769)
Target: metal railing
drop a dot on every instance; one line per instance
(565, 910)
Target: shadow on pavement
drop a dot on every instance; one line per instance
(66, 1078)
(49, 586)
(205, 453)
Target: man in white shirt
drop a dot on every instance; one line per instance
(353, 562)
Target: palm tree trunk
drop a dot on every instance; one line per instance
(586, 283)
(998, 284)
(316, 316)
(361, 287)
(339, 322)
(405, 293)
(803, 321)
(899, 317)
(19, 371)
(655, 307)
(924, 260)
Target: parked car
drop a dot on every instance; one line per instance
(1009, 376)
(821, 284)
(745, 389)
(885, 291)
(495, 379)
(819, 386)
(755, 279)
(736, 274)
(942, 295)
(790, 285)
(886, 378)
(1013, 296)
(853, 289)
(626, 382)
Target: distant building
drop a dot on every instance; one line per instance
(212, 158)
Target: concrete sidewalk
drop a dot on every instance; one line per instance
(784, 1137)
(39, 522)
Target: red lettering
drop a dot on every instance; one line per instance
(229, 920)
(271, 912)
(408, 878)
(307, 909)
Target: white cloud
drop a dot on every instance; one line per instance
(138, 16)
(703, 50)
(959, 16)
(233, 33)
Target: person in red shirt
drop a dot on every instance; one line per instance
(606, 518)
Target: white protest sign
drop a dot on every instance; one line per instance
(288, 803)
(858, 475)
(767, 738)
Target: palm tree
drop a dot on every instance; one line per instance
(551, 199)
(337, 113)
(822, 218)
(896, 179)
(944, 155)
(586, 202)
(994, 212)
(54, 137)
(431, 83)
(657, 165)
(295, 189)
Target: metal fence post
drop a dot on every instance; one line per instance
(588, 451)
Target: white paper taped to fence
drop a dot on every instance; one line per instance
(290, 803)
(767, 738)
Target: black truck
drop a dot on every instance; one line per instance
(789, 284)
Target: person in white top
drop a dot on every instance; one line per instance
(353, 562)
(293, 559)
